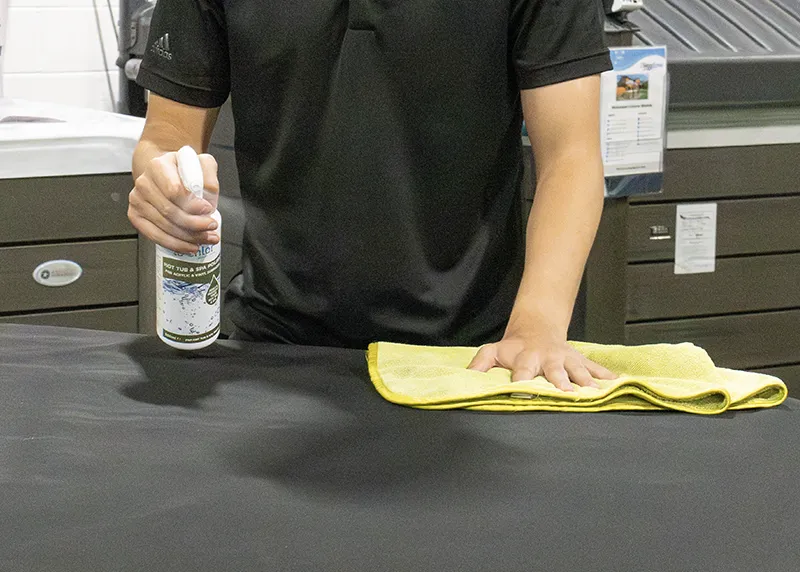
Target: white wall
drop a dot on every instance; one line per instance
(62, 51)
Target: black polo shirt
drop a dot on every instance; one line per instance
(379, 153)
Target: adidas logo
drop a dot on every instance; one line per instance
(161, 47)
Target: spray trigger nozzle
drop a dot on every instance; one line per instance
(190, 171)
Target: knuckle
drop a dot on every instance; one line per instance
(154, 165)
(148, 234)
(591, 368)
(167, 210)
(161, 161)
(523, 362)
(136, 220)
(552, 367)
(173, 190)
(136, 201)
(485, 353)
(485, 349)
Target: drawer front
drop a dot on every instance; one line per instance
(729, 172)
(109, 275)
(745, 341)
(59, 208)
(122, 319)
(749, 284)
(749, 226)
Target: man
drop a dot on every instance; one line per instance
(380, 162)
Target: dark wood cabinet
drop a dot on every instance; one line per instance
(81, 219)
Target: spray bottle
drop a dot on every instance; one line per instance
(188, 285)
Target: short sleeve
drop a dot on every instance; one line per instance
(556, 40)
(187, 54)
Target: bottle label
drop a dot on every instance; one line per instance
(190, 299)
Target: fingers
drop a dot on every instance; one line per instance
(485, 359)
(167, 213)
(526, 367)
(149, 213)
(161, 186)
(147, 201)
(598, 371)
(158, 236)
(162, 173)
(561, 371)
(556, 374)
(522, 374)
(578, 372)
(562, 368)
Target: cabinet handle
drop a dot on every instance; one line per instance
(660, 232)
(55, 273)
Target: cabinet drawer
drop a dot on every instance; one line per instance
(750, 226)
(744, 341)
(122, 319)
(749, 284)
(59, 208)
(109, 275)
(691, 174)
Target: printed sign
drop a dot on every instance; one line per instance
(633, 111)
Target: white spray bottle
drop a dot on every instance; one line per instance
(188, 285)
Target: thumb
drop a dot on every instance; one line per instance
(485, 359)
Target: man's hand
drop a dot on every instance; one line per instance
(159, 207)
(564, 127)
(164, 211)
(533, 354)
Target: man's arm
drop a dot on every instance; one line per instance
(159, 206)
(563, 125)
(169, 126)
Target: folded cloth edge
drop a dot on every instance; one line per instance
(493, 401)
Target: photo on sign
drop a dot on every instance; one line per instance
(632, 87)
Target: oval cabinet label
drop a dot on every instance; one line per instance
(57, 272)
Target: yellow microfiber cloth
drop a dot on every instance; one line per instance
(679, 377)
